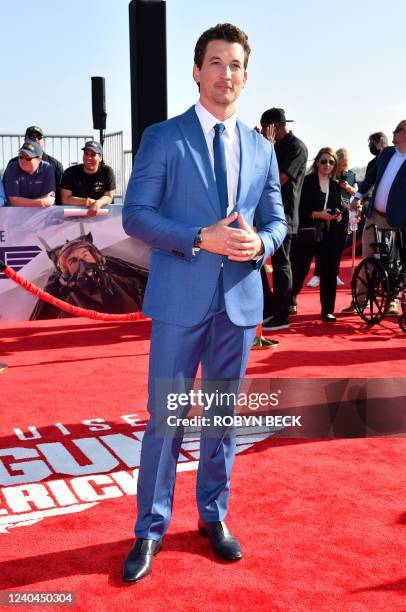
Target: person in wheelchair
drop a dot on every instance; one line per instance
(386, 209)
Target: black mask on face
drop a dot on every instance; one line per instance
(90, 277)
(374, 149)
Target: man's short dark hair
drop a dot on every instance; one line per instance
(222, 31)
(379, 137)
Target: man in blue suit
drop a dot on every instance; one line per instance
(200, 182)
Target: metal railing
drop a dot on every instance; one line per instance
(128, 166)
(67, 149)
(113, 155)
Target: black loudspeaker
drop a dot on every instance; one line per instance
(148, 65)
(99, 103)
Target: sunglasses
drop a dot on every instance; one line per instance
(399, 130)
(330, 162)
(25, 158)
(34, 136)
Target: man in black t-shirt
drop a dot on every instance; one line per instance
(291, 154)
(91, 184)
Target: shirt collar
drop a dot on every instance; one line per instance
(399, 153)
(208, 121)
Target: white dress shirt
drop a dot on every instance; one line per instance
(391, 170)
(231, 144)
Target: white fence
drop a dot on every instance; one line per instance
(128, 166)
(113, 155)
(68, 150)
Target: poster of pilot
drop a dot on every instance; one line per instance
(87, 262)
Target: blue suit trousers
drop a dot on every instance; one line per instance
(222, 348)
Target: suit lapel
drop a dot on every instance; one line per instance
(197, 147)
(402, 170)
(247, 162)
(400, 176)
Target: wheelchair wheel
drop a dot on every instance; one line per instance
(371, 290)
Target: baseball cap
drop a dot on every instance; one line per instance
(274, 115)
(93, 146)
(31, 148)
(34, 130)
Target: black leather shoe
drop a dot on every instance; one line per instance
(222, 540)
(330, 318)
(139, 561)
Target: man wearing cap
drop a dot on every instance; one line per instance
(291, 154)
(35, 133)
(91, 184)
(28, 180)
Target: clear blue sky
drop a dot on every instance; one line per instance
(337, 67)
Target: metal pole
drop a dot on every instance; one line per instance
(354, 238)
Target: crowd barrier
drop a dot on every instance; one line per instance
(111, 280)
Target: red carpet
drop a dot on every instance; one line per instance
(322, 522)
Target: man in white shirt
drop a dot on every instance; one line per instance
(387, 207)
(199, 182)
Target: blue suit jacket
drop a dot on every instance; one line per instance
(172, 194)
(396, 208)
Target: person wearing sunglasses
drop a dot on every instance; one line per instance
(91, 184)
(348, 183)
(28, 180)
(320, 207)
(35, 134)
(387, 207)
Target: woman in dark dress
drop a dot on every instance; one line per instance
(320, 204)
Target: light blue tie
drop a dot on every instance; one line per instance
(220, 167)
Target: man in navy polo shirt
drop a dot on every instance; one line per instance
(35, 133)
(28, 180)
